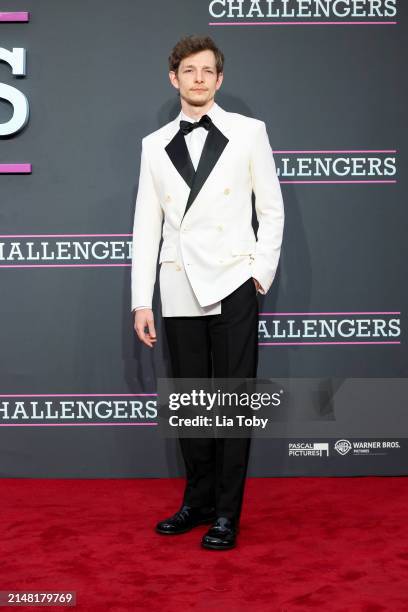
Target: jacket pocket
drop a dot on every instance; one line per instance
(244, 247)
(168, 253)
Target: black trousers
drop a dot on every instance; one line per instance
(222, 346)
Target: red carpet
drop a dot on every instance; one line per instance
(326, 544)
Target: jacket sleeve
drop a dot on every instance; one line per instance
(269, 209)
(147, 228)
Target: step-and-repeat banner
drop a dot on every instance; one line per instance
(80, 84)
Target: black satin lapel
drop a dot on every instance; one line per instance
(178, 152)
(214, 145)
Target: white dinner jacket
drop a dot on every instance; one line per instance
(204, 216)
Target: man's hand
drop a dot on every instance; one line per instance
(257, 284)
(145, 318)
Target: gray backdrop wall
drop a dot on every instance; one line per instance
(77, 388)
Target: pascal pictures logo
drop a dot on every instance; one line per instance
(308, 449)
(302, 12)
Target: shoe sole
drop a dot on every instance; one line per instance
(204, 522)
(215, 547)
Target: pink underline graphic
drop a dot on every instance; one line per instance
(320, 343)
(56, 235)
(77, 394)
(78, 424)
(64, 265)
(21, 16)
(288, 23)
(336, 182)
(15, 168)
(361, 312)
(282, 151)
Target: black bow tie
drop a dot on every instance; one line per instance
(187, 126)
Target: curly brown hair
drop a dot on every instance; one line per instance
(193, 44)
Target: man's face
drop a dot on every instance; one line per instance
(197, 78)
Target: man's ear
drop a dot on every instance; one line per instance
(220, 79)
(173, 79)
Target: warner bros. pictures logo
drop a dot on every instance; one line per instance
(342, 447)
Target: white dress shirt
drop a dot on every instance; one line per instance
(195, 139)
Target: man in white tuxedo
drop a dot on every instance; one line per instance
(197, 175)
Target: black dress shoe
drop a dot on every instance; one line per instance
(185, 519)
(222, 535)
